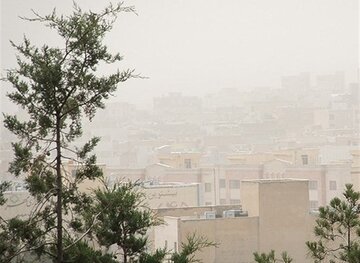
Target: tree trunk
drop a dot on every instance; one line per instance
(59, 243)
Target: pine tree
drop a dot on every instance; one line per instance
(338, 229)
(187, 253)
(270, 257)
(123, 219)
(57, 87)
(193, 244)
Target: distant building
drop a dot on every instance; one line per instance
(334, 82)
(187, 160)
(296, 84)
(355, 169)
(69, 171)
(220, 184)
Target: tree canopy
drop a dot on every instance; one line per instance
(271, 258)
(57, 86)
(337, 230)
(123, 219)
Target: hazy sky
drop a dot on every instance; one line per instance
(200, 46)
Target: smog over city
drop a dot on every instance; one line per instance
(171, 131)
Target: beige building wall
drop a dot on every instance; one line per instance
(187, 160)
(250, 158)
(301, 156)
(355, 169)
(337, 176)
(250, 197)
(121, 173)
(167, 235)
(220, 184)
(231, 176)
(86, 185)
(278, 218)
(316, 175)
(309, 154)
(164, 173)
(172, 195)
(284, 219)
(228, 233)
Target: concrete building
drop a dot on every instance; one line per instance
(355, 169)
(172, 195)
(220, 184)
(275, 215)
(180, 160)
(297, 156)
(332, 82)
(159, 193)
(70, 169)
(327, 178)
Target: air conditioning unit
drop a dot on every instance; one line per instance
(232, 213)
(210, 214)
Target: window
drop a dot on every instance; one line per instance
(222, 183)
(234, 184)
(208, 203)
(207, 187)
(222, 201)
(314, 205)
(305, 159)
(332, 185)
(234, 201)
(187, 163)
(313, 185)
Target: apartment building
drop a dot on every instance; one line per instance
(220, 184)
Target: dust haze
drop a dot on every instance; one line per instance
(229, 91)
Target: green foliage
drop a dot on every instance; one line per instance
(270, 257)
(21, 162)
(19, 232)
(122, 219)
(82, 252)
(338, 229)
(157, 257)
(3, 187)
(56, 87)
(194, 243)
